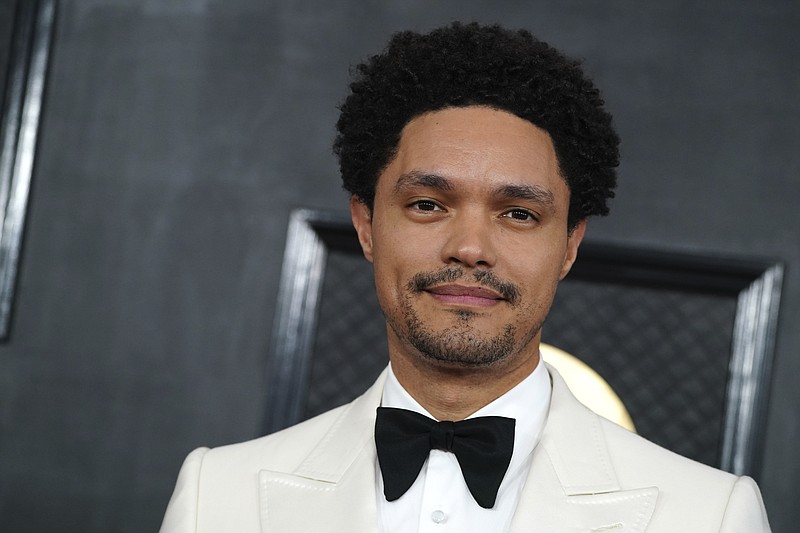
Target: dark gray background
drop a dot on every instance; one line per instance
(176, 137)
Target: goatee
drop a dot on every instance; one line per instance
(460, 344)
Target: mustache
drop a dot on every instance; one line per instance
(425, 280)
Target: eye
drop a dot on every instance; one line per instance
(426, 205)
(522, 215)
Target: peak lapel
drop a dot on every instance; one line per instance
(333, 489)
(572, 486)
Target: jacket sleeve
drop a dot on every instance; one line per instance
(745, 512)
(181, 515)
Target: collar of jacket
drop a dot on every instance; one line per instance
(571, 487)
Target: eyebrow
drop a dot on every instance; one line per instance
(422, 179)
(533, 193)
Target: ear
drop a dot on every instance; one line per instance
(362, 221)
(573, 242)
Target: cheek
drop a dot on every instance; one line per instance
(401, 252)
(390, 275)
(538, 276)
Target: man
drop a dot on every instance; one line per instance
(474, 156)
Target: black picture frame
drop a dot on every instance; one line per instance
(755, 284)
(23, 95)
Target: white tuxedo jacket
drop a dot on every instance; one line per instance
(588, 475)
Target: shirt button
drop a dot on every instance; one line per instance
(439, 517)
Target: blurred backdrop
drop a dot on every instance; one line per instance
(177, 135)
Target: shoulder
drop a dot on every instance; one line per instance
(278, 451)
(636, 458)
(577, 432)
(587, 450)
(217, 488)
(687, 488)
(284, 450)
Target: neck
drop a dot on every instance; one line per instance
(454, 393)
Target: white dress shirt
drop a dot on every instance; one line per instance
(439, 500)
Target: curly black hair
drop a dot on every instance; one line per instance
(469, 64)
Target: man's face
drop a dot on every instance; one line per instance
(468, 238)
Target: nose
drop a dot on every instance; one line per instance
(469, 243)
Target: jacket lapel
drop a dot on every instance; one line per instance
(572, 486)
(333, 489)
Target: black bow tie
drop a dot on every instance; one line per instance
(481, 445)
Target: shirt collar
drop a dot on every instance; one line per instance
(527, 402)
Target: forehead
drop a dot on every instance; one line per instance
(476, 146)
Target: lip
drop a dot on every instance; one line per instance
(465, 295)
